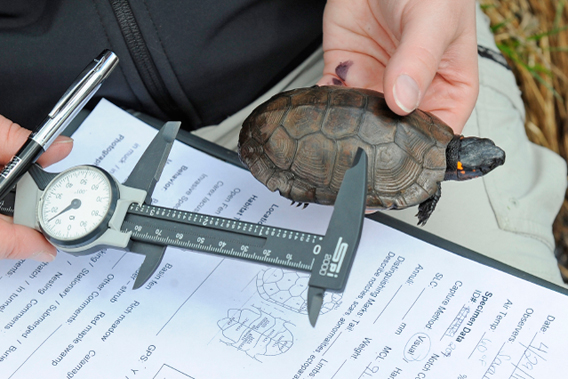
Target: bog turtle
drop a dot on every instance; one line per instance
(302, 141)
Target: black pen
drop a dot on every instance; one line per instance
(72, 101)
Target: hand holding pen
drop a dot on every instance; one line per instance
(72, 101)
(16, 241)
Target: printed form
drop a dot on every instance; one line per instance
(410, 309)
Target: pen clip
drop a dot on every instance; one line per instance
(75, 98)
(82, 80)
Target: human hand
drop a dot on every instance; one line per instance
(417, 52)
(17, 241)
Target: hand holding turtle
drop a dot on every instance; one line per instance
(20, 242)
(418, 53)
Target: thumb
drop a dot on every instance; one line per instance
(414, 64)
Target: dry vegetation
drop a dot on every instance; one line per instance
(533, 36)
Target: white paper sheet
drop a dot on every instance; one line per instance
(410, 309)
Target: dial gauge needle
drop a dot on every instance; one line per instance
(76, 203)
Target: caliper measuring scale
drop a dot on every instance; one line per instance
(240, 239)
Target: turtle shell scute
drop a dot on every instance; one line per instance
(281, 148)
(314, 159)
(302, 191)
(413, 141)
(309, 96)
(438, 129)
(281, 181)
(393, 168)
(435, 158)
(262, 168)
(346, 150)
(342, 122)
(379, 123)
(352, 100)
(266, 119)
(303, 120)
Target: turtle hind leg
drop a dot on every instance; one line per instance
(426, 208)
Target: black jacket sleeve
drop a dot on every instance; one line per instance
(194, 61)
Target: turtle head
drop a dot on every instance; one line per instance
(471, 157)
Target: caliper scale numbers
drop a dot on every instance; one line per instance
(75, 203)
(222, 236)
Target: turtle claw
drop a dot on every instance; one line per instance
(421, 221)
(422, 216)
(303, 205)
(426, 208)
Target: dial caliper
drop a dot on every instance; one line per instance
(85, 209)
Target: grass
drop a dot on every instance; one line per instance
(533, 37)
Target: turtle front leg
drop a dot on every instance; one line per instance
(426, 208)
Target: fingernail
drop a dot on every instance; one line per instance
(63, 139)
(43, 256)
(406, 93)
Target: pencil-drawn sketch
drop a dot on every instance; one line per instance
(289, 289)
(255, 332)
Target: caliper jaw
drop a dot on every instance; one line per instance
(333, 264)
(149, 168)
(145, 175)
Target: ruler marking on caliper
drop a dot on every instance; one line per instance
(259, 243)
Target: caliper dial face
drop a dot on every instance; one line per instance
(77, 204)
